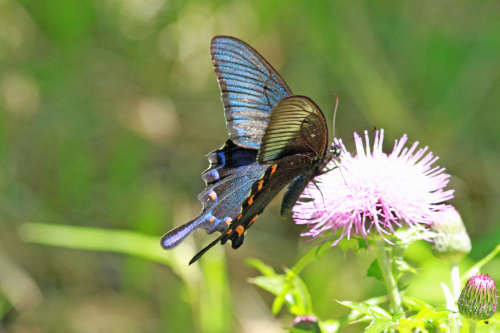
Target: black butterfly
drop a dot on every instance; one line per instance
(275, 138)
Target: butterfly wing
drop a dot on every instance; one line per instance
(229, 178)
(251, 89)
(296, 126)
(295, 140)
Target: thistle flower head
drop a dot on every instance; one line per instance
(374, 190)
(307, 323)
(478, 300)
(452, 242)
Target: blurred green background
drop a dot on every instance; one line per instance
(107, 109)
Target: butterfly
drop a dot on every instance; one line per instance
(276, 138)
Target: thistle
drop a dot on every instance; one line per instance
(478, 300)
(306, 324)
(452, 242)
(374, 191)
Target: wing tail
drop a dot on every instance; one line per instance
(175, 236)
(205, 249)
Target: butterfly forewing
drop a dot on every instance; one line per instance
(297, 125)
(250, 86)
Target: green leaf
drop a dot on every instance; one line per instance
(405, 237)
(313, 254)
(378, 325)
(402, 267)
(378, 312)
(474, 269)
(450, 302)
(411, 325)
(415, 304)
(430, 314)
(370, 310)
(381, 320)
(374, 271)
(355, 315)
(272, 284)
(288, 288)
(351, 244)
(295, 294)
(360, 307)
(329, 326)
(97, 239)
(263, 268)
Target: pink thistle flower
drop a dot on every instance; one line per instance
(374, 190)
(478, 300)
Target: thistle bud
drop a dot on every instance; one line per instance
(478, 300)
(452, 242)
(306, 323)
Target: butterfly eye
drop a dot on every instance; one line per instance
(335, 150)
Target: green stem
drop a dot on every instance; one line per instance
(385, 263)
(455, 290)
(472, 326)
(454, 326)
(455, 281)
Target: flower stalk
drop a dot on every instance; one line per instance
(455, 291)
(384, 259)
(455, 281)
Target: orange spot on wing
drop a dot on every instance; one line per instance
(229, 231)
(239, 216)
(212, 219)
(240, 230)
(228, 221)
(213, 195)
(273, 168)
(250, 200)
(253, 220)
(259, 186)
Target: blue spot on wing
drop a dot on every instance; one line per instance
(251, 89)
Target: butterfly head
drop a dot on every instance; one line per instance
(335, 151)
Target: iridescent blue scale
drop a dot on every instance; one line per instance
(275, 138)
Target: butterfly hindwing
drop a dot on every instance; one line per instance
(276, 176)
(229, 178)
(250, 87)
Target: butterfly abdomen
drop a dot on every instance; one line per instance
(294, 191)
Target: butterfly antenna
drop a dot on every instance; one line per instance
(335, 114)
